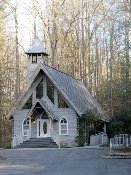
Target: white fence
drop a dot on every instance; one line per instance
(120, 141)
(99, 139)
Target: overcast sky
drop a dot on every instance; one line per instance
(25, 20)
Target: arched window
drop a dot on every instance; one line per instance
(26, 127)
(63, 126)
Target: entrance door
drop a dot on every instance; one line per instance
(42, 128)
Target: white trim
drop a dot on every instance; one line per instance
(50, 126)
(41, 121)
(28, 130)
(65, 124)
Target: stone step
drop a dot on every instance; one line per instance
(38, 143)
(41, 139)
(36, 146)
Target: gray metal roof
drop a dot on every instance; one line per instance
(72, 90)
(36, 47)
(76, 92)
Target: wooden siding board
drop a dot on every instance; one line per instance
(19, 116)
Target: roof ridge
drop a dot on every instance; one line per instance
(62, 72)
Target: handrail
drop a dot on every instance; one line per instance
(55, 137)
(18, 138)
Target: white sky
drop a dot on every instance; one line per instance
(25, 21)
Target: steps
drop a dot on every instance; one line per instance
(38, 143)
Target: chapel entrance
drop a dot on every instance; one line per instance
(42, 127)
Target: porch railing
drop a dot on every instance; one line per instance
(55, 137)
(19, 138)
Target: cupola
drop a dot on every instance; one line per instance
(36, 54)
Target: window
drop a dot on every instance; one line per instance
(26, 126)
(63, 126)
(50, 90)
(61, 102)
(39, 90)
(34, 58)
(28, 104)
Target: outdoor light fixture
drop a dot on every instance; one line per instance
(33, 121)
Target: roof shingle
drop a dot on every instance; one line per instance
(76, 92)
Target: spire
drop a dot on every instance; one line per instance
(35, 17)
(37, 47)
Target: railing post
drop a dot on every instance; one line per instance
(102, 139)
(13, 142)
(59, 143)
(110, 146)
(55, 137)
(127, 142)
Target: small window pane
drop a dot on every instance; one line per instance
(63, 126)
(63, 120)
(26, 127)
(24, 122)
(34, 58)
(63, 132)
(61, 102)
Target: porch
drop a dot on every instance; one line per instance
(39, 123)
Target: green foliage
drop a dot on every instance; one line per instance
(88, 124)
(121, 123)
(80, 139)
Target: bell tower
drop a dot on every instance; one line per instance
(36, 54)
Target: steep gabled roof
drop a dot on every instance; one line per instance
(76, 92)
(43, 106)
(72, 89)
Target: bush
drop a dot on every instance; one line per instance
(121, 123)
(88, 124)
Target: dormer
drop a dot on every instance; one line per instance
(36, 54)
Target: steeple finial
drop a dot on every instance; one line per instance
(35, 18)
(37, 47)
